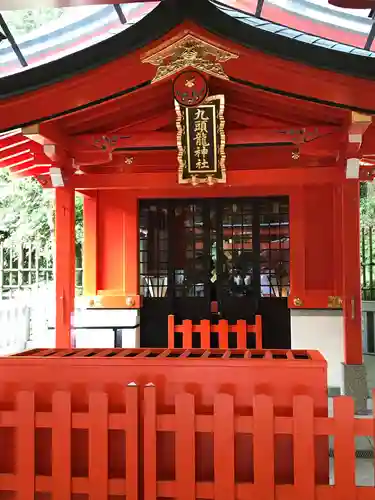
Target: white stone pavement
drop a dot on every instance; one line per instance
(364, 474)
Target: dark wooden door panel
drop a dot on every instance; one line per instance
(232, 251)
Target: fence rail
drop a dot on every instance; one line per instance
(222, 332)
(26, 266)
(99, 448)
(368, 263)
(68, 462)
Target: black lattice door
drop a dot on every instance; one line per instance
(194, 253)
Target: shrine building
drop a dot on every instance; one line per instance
(219, 163)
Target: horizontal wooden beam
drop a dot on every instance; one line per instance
(237, 158)
(112, 142)
(237, 178)
(52, 141)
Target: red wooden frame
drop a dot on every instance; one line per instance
(205, 327)
(142, 419)
(263, 104)
(65, 265)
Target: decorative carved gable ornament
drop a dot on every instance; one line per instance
(188, 51)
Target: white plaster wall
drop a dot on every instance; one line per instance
(324, 331)
(100, 337)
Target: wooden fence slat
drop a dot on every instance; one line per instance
(223, 333)
(241, 334)
(344, 448)
(171, 331)
(224, 438)
(205, 334)
(185, 446)
(258, 332)
(132, 441)
(264, 448)
(98, 445)
(25, 445)
(222, 329)
(61, 445)
(187, 334)
(303, 445)
(149, 443)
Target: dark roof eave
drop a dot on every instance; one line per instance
(155, 25)
(167, 15)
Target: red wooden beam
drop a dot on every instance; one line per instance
(31, 170)
(168, 180)
(237, 159)
(90, 244)
(11, 153)
(65, 265)
(92, 142)
(9, 142)
(26, 157)
(351, 273)
(48, 139)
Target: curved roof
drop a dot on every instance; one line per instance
(315, 17)
(308, 21)
(226, 22)
(274, 79)
(76, 29)
(289, 32)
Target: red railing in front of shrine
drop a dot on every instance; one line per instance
(97, 452)
(222, 329)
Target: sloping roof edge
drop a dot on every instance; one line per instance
(167, 15)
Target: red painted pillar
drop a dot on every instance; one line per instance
(65, 264)
(131, 238)
(351, 272)
(90, 243)
(297, 246)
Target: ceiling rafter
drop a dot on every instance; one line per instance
(151, 103)
(134, 104)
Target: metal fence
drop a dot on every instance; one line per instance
(368, 263)
(28, 266)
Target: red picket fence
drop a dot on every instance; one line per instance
(226, 452)
(63, 452)
(222, 329)
(224, 468)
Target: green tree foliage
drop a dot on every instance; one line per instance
(21, 22)
(367, 205)
(27, 212)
